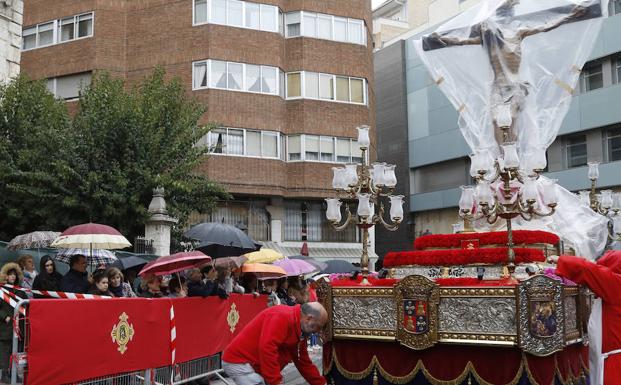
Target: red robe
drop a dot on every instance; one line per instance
(272, 340)
(604, 279)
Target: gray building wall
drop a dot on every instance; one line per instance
(392, 131)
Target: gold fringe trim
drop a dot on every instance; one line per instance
(375, 367)
(564, 86)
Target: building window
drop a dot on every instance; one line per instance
(617, 68)
(592, 77)
(327, 149)
(322, 26)
(615, 7)
(243, 142)
(69, 87)
(312, 85)
(613, 144)
(58, 31)
(576, 150)
(236, 13)
(235, 77)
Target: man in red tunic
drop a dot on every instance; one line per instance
(274, 338)
(604, 279)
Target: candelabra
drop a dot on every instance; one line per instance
(368, 185)
(606, 203)
(507, 187)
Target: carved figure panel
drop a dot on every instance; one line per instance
(375, 313)
(478, 315)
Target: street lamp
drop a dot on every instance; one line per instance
(367, 185)
(507, 187)
(606, 203)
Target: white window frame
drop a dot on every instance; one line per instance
(278, 14)
(278, 135)
(587, 74)
(56, 25)
(318, 15)
(609, 134)
(243, 85)
(54, 89)
(303, 88)
(352, 142)
(568, 146)
(617, 68)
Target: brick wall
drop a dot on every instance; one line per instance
(131, 37)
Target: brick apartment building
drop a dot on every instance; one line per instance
(287, 80)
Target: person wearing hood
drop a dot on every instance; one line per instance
(48, 278)
(604, 279)
(76, 279)
(10, 274)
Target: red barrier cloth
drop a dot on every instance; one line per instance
(495, 365)
(72, 340)
(202, 326)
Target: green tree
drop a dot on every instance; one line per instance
(101, 164)
(130, 140)
(34, 131)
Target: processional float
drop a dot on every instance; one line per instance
(477, 307)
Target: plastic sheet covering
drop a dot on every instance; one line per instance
(515, 64)
(580, 227)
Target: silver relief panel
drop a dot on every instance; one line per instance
(364, 313)
(571, 314)
(432, 272)
(478, 315)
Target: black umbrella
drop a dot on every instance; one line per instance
(339, 266)
(131, 260)
(221, 240)
(318, 265)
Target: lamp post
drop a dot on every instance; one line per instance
(606, 203)
(507, 187)
(368, 185)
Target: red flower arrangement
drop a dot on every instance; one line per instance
(520, 237)
(492, 256)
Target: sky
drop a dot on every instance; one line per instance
(376, 3)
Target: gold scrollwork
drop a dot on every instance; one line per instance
(422, 297)
(324, 294)
(232, 318)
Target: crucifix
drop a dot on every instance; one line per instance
(501, 36)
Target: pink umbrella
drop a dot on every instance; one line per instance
(295, 267)
(170, 264)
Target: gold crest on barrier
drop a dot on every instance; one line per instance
(122, 333)
(416, 301)
(232, 318)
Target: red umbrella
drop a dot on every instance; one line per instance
(170, 264)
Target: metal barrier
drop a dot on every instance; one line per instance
(179, 373)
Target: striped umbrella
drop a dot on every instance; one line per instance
(95, 258)
(91, 235)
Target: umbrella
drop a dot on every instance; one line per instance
(264, 271)
(34, 240)
(129, 262)
(174, 263)
(94, 257)
(93, 236)
(230, 262)
(319, 265)
(264, 256)
(221, 240)
(295, 267)
(339, 266)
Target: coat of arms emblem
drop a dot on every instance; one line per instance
(417, 299)
(122, 333)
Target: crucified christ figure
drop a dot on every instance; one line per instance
(502, 40)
